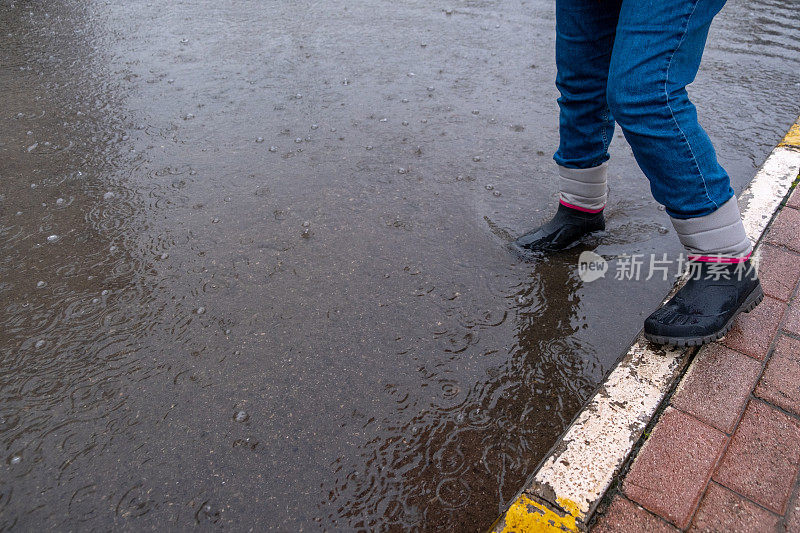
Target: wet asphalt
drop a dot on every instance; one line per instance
(252, 262)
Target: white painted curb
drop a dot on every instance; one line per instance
(571, 481)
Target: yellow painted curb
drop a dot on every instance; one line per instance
(792, 138)
(527, 515)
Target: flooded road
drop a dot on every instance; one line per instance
(252, 264)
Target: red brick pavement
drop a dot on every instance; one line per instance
(725, 453)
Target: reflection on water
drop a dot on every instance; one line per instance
(251, 261)
(473, 444)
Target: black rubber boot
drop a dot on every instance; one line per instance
(563, 231)
(703, 310)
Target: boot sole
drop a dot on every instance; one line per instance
(529, 256)
(753, 299)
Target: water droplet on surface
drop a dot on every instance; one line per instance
(306, 233)
(384, 120)
(404, 100)
(108, 196)
(260, 139)
(496, 193)
(477, 158)
(298, 140)
(306, 223)
(41, 284)
(401, 170)
(662, 230)
(164, 256)
(448, 11)
(60, 201)
(431, 89)
(184, 40)
(15, 460)
(215, 220)
(298, 96)
(40, 343)
(404, 123)
(273, 148)
(489, 187)
(369, 147)
(314, 126)
(200, 310)
(53, 238)
(104, 292)
(476, 112)
(240, 416)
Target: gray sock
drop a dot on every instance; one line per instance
(584, 188)
(720, 233)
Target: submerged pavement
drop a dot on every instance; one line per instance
(252, 256)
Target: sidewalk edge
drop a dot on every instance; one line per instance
(571, 480)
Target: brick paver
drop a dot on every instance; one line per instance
(762, 459)
(725, 454)
(792, 522)
(784, 230)
(716, 388)
(778, 271)
(624, 516)
(794, 199)
(673, 467)
(753, 332)
(780, 384)
(723, 510)
(792, 324)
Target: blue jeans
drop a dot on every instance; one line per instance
(630, 61)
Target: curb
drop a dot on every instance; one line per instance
(571, 480)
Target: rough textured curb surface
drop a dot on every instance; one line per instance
(570, 483)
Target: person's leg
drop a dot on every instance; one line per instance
(584, 40)
(657, 53)
(585, 31)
